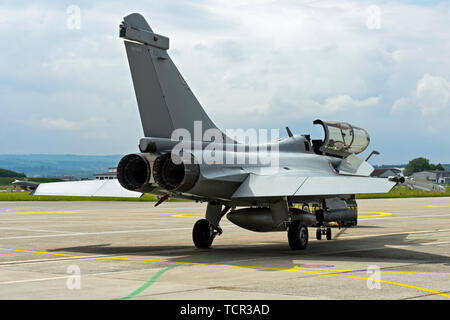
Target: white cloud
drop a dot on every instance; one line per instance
(401, 105)
(433, 96)
(429, 102)
(250, 63)
(345, 103)
(57, 123)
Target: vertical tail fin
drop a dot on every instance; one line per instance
(164, 99)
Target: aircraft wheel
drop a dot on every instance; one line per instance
(202, 234)
(297, 235)
(328, 233)
(318, 234)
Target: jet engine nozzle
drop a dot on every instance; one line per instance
(179, 175)
(133, 171)
(397, 179)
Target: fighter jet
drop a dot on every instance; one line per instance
(25, 185)
(289, 185)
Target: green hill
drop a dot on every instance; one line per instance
(58, 165)
(5, 173)
(8, 181)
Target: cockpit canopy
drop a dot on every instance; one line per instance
(341, 139)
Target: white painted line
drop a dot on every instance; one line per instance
(434, 243)
(99, 233)
(35, 230)
(393, 234)
(33, 280)
(424, 216)
(63, 259)
(92, 233)
(83, 275)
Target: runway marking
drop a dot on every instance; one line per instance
(436, 206)
(382, 271)
(92, 233)
(45, 252)
(199, 215)
(378, 214)
(49, 212)
(35, 230)
(294, 270)
(18, 210)
(68, 276)
(435, 292)
(14, 209)
(395, 233)
(39, 261)
(422, 216)
(32, 280)
(188, 215)
(152, 280)
(434, 243)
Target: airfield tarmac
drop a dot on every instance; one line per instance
(132, 250)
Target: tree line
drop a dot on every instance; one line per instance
(421, 164)
(5, 173)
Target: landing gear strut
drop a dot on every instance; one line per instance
(323, 231)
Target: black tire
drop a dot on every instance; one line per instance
(298, 235)
(202, 235)
(318, 234)
(328, 233)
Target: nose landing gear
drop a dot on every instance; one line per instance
(323, 231)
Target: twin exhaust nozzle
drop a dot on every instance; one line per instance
(397, 179)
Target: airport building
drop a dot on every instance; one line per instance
(111, 174)
(435, 176)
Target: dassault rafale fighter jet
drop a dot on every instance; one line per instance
(272, 193)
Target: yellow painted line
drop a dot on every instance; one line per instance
(188, 215)
(14, 209)
(295, 270)
(49, 212)
(45, 252)
(377, 214)
(200, 215)
(249, 267)
(382, 271)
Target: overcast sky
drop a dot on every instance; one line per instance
(381, 65)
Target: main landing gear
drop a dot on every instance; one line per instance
(298, 235)
(323, 231)
(205, 230)
(203, 234)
